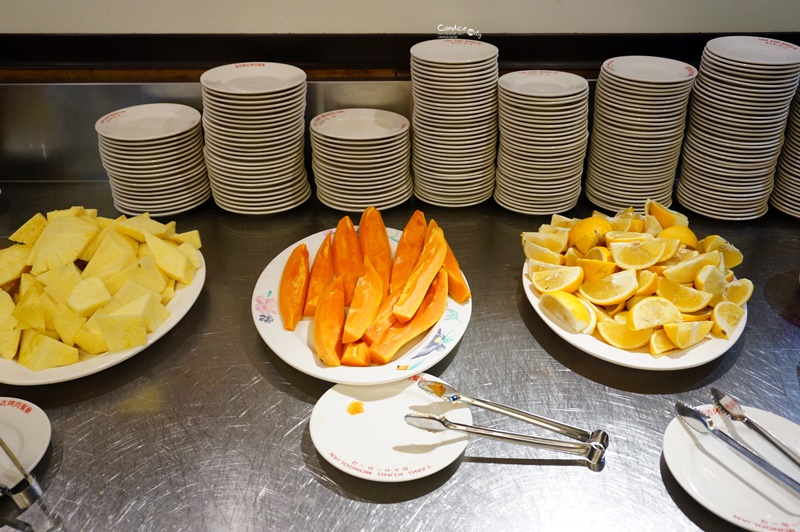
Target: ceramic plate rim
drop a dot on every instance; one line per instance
(37, 429)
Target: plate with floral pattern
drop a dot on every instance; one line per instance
(296, 347)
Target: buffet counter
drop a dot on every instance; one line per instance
(208, 429)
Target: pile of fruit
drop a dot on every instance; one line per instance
(366, 304)
(73, 279)
(636, 280)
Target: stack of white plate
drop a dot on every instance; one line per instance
(360, 158)
(153, 154)
(254, 131)
(740, 105)
(544, 118)
(454, 89)
(786, 195)
(639, 122)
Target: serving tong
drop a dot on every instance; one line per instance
(591, 446)
(28, 490)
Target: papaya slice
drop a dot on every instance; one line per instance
(430, 311)
(408, 250)
(456, 282)
(347, 261)
(356, 354)
(383, 321)
(329, 323)
(293, 286)
(375, 244)
(428, 265)
(321, 276)
(366, 302)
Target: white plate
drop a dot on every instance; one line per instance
(293, 346)
(449, 51)
(728, 485)
(252, 78)
(148, 121)
(650, 69)
(755, 50)
(697, 355)
(377, 444)
(26, 430)
(12, 372)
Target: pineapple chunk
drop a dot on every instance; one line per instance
(13, 262)
(45, 352)
(144, 250)
(130, 291)
(30, 230)
(169, 292)
(192, 254)
(30, 311)
(9, 342)
(170, 260)
(115, 253)
(67, 323)
(88, 296)
(90, 338)
(72, 211)
(192, 237)
(27, 281)
(7, 321)
(142, 224)
(144, 272)
(149, 307)
(88, 253)
(49, 306)
(59, 282)
(62, 241)
(122, 331)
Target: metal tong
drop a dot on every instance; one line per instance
(703, 424)
(731, 407)
(28, 490)
(591, 445)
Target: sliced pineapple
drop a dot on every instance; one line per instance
(192, 237)
(170, 260)
(30, 230)
(62, 241)
(149, 307)
(13, 262)
(67, 323)
(9, 342)
(88, 296)
(122, 331)
(30, 311)
(90, 338)
(60, 281)
(45, 353)
(115, 253)
(137, 226)
(144, 271)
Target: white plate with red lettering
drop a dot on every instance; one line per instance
(704, 352)
(728, 485)
(295, 347)
(362, 431)
(11, 372)
(25, 429)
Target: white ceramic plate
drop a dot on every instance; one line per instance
(26, 430)
(14, 373)
(147, 122)
(755, 50)
(697, 355)
(728, 485)
(550, 83)
(293, 347)
(650, 69)
(377, 444)
(449, 51)
(252, 78)
(359, 124)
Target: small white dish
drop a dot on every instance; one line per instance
(25, 428)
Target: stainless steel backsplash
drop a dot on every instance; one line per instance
(47, 130)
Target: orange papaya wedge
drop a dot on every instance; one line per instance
(430, 311)
(293, 286)
(321, 276)
(383, 321)
(427, 267)
(456, 282)
(408, 250)
(375, 243)
(329, 323)
(367, 299)
(347, 261)
(356, 354)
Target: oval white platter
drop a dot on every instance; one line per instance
(294, 347)
(697, 355)
(14, 373)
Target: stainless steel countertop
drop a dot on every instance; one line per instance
(208, 429)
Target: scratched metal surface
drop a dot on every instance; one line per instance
(208, 429)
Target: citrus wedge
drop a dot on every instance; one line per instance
(627, 236)
(652, 312)
(568, 309)
(598, 253)
(648, 282)
(665, 216)
(595, 269)
(682, 233)
(637, 255)
(566, 279)
(660, 342)
(620, 336)
(687, 334)
(687, 299)
(571, 256)
(553, 241)
(685, 271)
(726, 316)
(739, 291)
(612, 289)
(710, 279)
(733, 257)
(541, 253)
